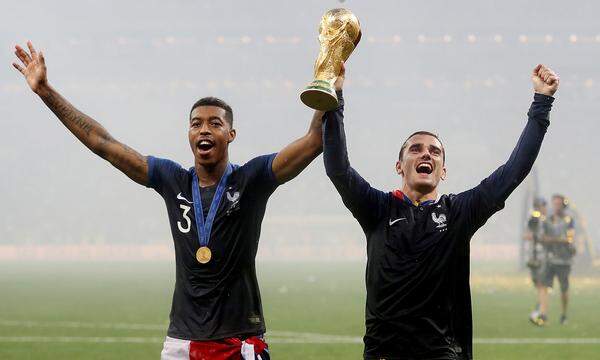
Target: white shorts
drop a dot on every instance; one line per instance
(175, 349)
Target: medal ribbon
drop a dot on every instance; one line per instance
(205, 226)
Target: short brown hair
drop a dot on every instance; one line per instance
(422, 132)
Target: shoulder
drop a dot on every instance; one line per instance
(164, 165)
(258, 161)
(161, 171)
(161, 162)
(445, 201)
(260, 166)
(455, 203)
(449, 199)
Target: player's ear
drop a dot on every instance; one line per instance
(444, 173)
(232, 134)
(399, 168)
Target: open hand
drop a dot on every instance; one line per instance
(545, 81)
(34, 67)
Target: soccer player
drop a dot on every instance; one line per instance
(534, 234)
(559, 232)
(417, 275)
(215, 210)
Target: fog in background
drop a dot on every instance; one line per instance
(461, 69)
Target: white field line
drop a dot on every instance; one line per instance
(274, 337)
(346, 340)
(81, 339)
(82, 325)
(293, 334)
(331, 339)
(545, 341)
(132, 326)
(305, 339)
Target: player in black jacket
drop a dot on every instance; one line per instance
(417, 276)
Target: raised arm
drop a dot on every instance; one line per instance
(489, 196)
(295, 157)
(87, 130)
(358, 196)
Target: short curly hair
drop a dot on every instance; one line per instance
(213, 101)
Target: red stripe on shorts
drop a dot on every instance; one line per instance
(226, 349)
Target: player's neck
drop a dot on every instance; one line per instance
(209, 175)
(417, 196)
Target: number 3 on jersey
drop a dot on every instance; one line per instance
(185, 209)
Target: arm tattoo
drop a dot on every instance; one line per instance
(96, 138)
(68, 114)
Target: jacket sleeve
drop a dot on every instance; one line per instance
(480, 203)
(366, 203)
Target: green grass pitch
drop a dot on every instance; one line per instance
(120, 311)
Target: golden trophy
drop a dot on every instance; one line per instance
(339, 33)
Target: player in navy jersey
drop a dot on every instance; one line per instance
(215, 211)
(417, 275)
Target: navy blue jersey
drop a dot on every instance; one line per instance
(221, 298)
(417, 276)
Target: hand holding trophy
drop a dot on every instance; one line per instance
(339, 33)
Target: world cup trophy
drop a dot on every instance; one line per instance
(339, 33)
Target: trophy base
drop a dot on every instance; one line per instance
(319, 95)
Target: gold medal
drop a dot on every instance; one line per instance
(203, 255)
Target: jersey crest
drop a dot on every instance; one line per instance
(440, 220)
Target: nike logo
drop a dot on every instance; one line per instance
(395, 221)
(180, 197)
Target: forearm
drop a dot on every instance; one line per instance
(86, 129)
(335, 153)
(355, 191)
(506, 178)
(95, 137)
(358, 196)
(313, 140)
(296, 156)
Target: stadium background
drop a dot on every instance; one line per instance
(458, 68)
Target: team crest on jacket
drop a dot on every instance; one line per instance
(234, 201)
(440, 220)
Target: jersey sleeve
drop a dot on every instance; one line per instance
(259, 172)
(163, 173)
(480, 203)
(364, 202)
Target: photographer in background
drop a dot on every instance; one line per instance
(534, 234)
(559, 232)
